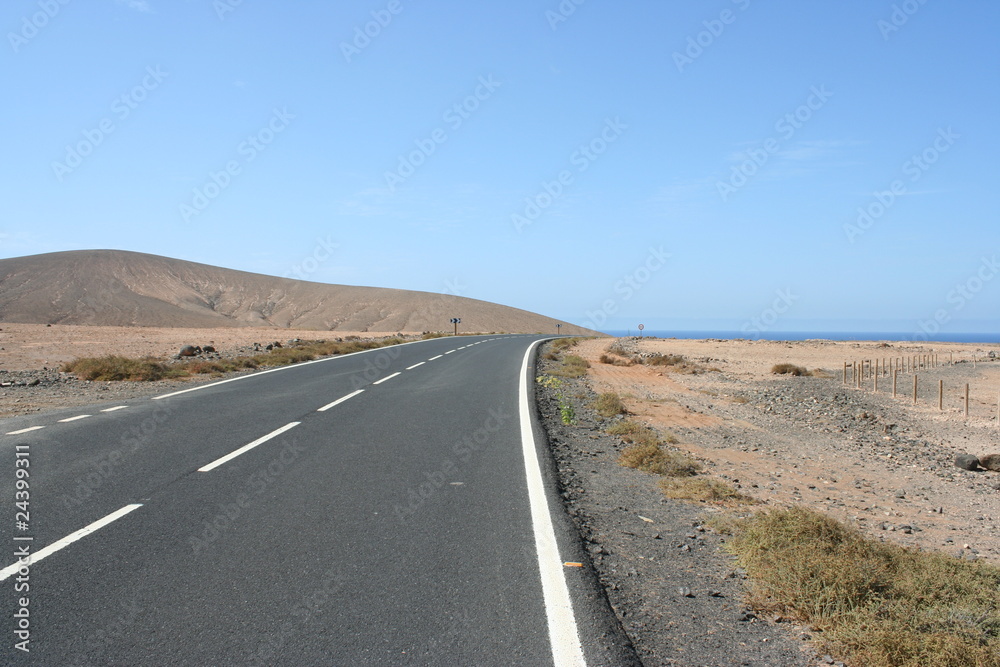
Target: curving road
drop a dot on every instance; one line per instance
(388, 507)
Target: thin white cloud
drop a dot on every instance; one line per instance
(137, 5)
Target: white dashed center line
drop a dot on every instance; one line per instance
(25, 430)
(410, 368)
(437, 357)
(117, 407)
(387, 377)
(340, 400)
(246, 448)
(73, 419)
(10, 570)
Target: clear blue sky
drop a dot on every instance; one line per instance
(688, 165)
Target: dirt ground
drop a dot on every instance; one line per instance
(881, 463)
(34, 346)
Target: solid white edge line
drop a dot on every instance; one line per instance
(283, 368)
(387, 377)
(25, 430)
(73, 419)
(410, 368)
(340, 400)
(246, 448)
(117, 407)
(10, 570)
(563, 634)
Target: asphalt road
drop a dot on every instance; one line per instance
(389, 507)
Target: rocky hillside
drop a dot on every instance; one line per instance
(113, 287)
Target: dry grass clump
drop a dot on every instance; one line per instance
(636, 433)
(117, 368)
(646, 451)
(572, 366)
(876, 604)
(663, 360)
(609, 404)
(563, 344)
(702, 489)
(112, 368)
(656, 459)
(789, 369)
(615, 361)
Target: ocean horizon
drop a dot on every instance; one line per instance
(985, 338)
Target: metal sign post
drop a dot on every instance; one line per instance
(641, 327)
(456, 321)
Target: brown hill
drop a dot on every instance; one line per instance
(119, 288)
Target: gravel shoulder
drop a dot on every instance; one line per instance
(879, 463)
(676, 594)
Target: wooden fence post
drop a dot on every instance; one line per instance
(914, 388)
(966, 400)
(895, 374)
(940, 394)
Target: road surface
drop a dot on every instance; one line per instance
(388, 507)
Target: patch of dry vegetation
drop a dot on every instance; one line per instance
(113, 368)
(116, 368)
(875, 603)
(798, 371)
(609, 404)
(702, 489)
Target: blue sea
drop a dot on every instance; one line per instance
(989, 338)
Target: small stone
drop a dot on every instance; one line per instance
(685, 591)
(990, 462)
(967, 462)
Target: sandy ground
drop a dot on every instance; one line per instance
(34, 346)
(878, 462)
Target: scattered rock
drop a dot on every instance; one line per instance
(967, 462)
(208, 348)
(190, 351)
(990, 462)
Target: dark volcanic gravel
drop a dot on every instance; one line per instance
(677, 594)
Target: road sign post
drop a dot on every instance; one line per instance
(641, 327)
(456, 321)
